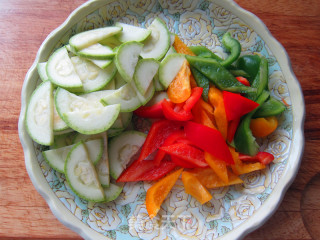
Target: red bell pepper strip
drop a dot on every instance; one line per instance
(135, 170)
(232, 128)
(182, 111)
(184, 141)
(158, 133)
(209, 140)
(244, 81)
(193, 99)
(169, 140)
(154, 111)
(146, 171)
(175, 112)
(182, 163)
(236, 105)
(187, 153)
(262, 157)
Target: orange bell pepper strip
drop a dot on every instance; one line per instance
(210, 179)
(181, 47)
(203, 113)
(218, 166)
(159, 191)
(206, 120)
(241, 168)
(207, 107)
(216, 99)
(194, 187)
(179, 89)
(262, 127)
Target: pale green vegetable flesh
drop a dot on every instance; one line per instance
(102, 166)
(97, 51)
(169, 68)
(122, 148)
(102, 67)
(126, 96)
(41, 67)
(158, 43)
(144, 73)
(132, 33)
(88, 38)
(39, 115)
(81, 174)
(126, 59)
(61, 72)
(93, 78)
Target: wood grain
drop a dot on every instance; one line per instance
(24, 26)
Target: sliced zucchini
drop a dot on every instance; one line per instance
(39, 114)
(102, 63)
(68, 130)
(90, 37)
(111, 85)
(132, 33)
(114, 132)
(122, 148)
(102, 166)
(58, 124)
(63, 140)
(95, 150)
(157, 84)
(41, 67)
(117, 123)
(144, 73)
(112, 41)
(126, 59)
(81, 174)
(126, 118)
(119, 81)
(66, 101)
(113, 191)
(61, 72)
(93, 78)
(84, 116)
(126, 96)
(170, 51)
(157, 97)
(93, 121)
(95, 97)
(157, 45)
(56, 158)
(147, 96)
(97, 51)
(169, 68)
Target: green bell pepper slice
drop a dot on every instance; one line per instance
(202, 51)
(202, 81)
(250, 64)
(260, 82)
(271, 107)
(233, 46)
(218, 75)
(244, 141)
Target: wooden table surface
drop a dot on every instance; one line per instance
(26, 23)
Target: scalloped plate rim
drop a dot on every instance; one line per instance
(275, 198)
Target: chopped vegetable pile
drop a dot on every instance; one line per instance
(206, 113)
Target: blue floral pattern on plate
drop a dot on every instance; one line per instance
(181, 216)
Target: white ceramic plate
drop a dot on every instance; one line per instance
(234, 211)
